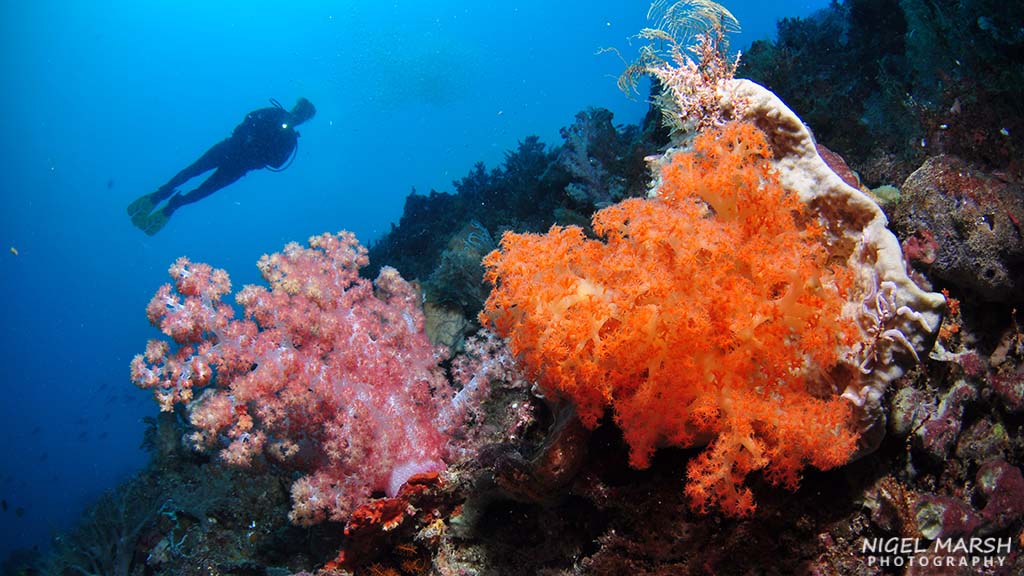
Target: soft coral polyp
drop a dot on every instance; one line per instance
(710, 314)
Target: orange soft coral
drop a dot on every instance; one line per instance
(708, 314)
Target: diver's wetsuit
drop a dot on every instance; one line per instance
(264, 139)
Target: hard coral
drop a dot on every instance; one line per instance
(709, 314)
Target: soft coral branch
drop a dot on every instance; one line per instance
(326, 373)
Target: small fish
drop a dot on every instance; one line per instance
(14, 250)
(3, 504)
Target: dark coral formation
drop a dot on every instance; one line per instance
(888, 82)
(458, 279)
(185, 514)
(591, 157)
(522, 193)
(533, 189)
(962, 227)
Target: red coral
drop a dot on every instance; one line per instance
(368, 527)
(709, 314)
(921, 247)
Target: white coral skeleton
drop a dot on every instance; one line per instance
(881, 314)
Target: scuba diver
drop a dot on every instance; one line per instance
(265, 139)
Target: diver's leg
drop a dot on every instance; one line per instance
(139, 210)
(216, 156)
(219, 179)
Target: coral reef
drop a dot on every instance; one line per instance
(749, 325)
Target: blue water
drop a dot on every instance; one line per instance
(104, 101)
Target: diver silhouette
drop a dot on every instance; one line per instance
(265, 139)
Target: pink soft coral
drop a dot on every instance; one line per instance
(709, 314)
(327, 373)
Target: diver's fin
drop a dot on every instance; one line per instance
(154, 223)
(142, 205)
(140, 220)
